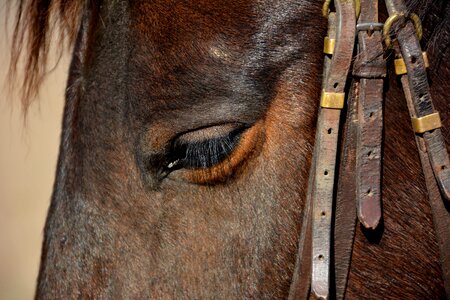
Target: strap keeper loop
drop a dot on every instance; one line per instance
(426, 123)
(332, 100)
(328, 45)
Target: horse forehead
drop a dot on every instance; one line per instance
(220, 29)
(192, 54)
(173, 34)
(188, 18)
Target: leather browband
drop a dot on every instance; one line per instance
(359, 179)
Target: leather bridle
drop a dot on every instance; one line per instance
(359, 179)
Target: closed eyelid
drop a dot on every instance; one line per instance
(159, 155)
(166, 133)
(249, 143)
(206, 147)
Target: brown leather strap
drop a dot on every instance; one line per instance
(431, 146)
(421, 97)
(360, 171)
(368, 152)
(301, 279)
(360, 167)
(441, 213)
(370, 67)
(326, 141)
(345, 216)
(328, 121)
(301, 282)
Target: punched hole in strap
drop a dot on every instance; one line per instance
(400, 66)
(426, 123)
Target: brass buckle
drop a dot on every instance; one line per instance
(394, 18)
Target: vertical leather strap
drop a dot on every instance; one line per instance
(421, 97)
(326, 141)
(301, 282)
(360, 168)
(345, 216)
(301, 279)
(368, 152)
(370, 67)
(441, 213)
(431, 146)
(328, 121)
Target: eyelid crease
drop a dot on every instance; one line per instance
(212, 132)
(219, 173)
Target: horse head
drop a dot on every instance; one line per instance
(185, 153)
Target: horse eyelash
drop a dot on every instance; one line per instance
(203, 154)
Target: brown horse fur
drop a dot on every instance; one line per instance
(186, 145)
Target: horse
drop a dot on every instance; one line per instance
(186, 148)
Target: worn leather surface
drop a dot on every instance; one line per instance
(360, 166)
(370, 68)
(421, 97)
(345, 213)
(431, 145)
(439, 208)
(327, 143)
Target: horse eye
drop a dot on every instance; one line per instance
(205, 147)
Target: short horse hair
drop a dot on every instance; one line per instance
(38, 20)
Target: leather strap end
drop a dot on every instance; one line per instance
(369, 209)
(320, 291)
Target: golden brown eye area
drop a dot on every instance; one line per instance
(205, 147)
(212, 167)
